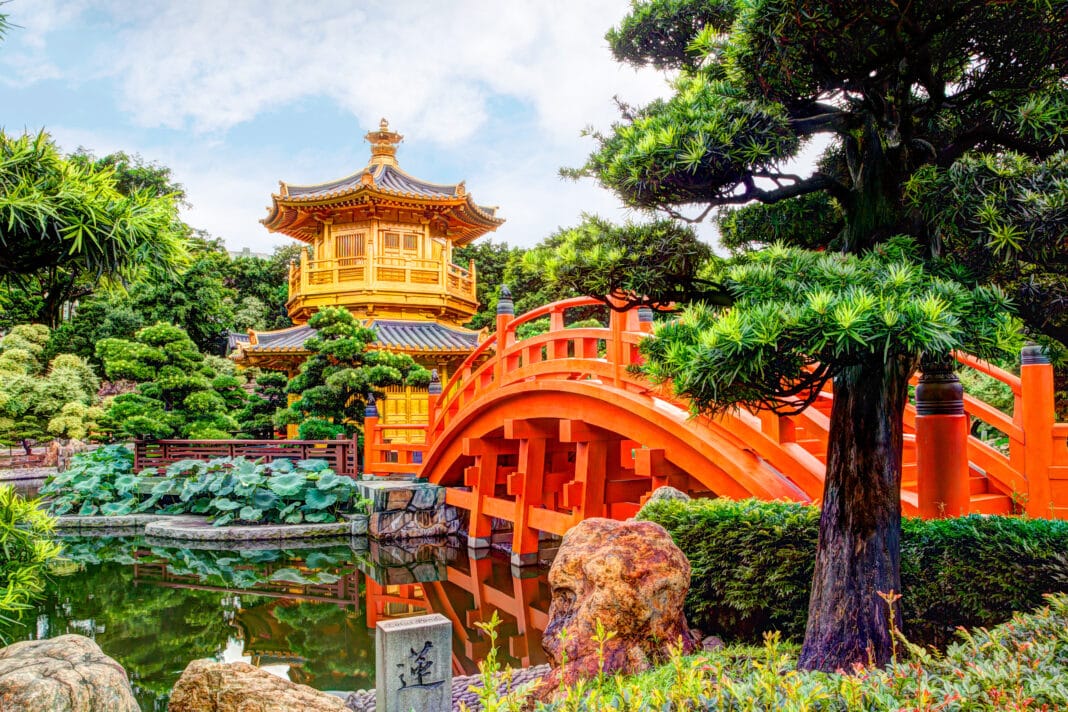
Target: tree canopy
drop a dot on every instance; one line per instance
(341, 374)
(179, 393)
(940, 190)
(65, 225)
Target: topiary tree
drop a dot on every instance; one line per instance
(902, 94)
(178, 392)
(36, 402)
(256, 419)
(335, 382)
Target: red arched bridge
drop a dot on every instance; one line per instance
(542, 432)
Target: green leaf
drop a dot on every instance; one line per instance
(250, 514)
(286, 485)
(319, 517)
(225, 504)
(294, 518)
(316, 499)
(223, 520)
(116, 509)
(313, 465)
(88, 509)
(265, 499)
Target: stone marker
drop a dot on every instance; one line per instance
(413, 664)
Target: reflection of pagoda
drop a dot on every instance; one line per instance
(380, 244)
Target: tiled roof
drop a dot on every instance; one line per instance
(385, 177)
(424, 336)
(410, 335)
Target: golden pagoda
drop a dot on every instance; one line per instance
(380, 244)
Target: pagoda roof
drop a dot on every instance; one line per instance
(419, 336)
(296, 209)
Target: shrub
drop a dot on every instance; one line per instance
(1021, 665)
(25, 549)
(752, 567)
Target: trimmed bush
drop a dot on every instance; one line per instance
(752, 567)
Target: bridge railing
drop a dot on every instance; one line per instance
(1033, 474)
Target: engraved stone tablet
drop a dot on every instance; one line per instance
(413, 664)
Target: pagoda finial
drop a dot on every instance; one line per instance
(383, 145)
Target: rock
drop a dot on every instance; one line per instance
(712, 642)
(632, 579)
(65, 674)
(666, 494)
(208, 686)
(58, 454)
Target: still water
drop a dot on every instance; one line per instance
(306, 614)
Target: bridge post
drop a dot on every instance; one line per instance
(942, 472)
(505, 314)
(1036, 420)
(371, 434)
(482, 479)
(433, 396)
(526, 484)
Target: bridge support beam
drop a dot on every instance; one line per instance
(481, 477)
(527, 484)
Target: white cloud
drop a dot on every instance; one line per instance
(430, 67)
(203, 70)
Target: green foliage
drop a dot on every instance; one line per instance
(1020, 665)
(66, 227)
(226, 490)
(256, 419)
(242, 491)
(36, 402)
(752, 567)
(811, 221)
(1004, 217)
(336, 380)
(662, 33)
(100, 481)
(658, 262)
(25, 549)
(800, 317)
(178, 392)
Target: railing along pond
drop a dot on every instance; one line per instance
(340, 454)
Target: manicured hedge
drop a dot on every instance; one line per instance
(752, 567)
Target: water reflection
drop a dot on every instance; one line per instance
(303, 613)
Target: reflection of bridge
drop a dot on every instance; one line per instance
(469, 591)
(545, 431)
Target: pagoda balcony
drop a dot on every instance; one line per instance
(384, 283)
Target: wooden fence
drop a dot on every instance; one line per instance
(340, 454)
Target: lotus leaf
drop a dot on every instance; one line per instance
(313, 465)
(286, 485)
(116, 509)
(319, 517)
(316, 499)
(264, 499)
(295, 518)
(225, 504)
(126, 483)
(250, 514)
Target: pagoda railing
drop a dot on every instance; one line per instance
(381, 273)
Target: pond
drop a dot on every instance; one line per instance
(306, 614)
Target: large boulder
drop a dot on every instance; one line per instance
(208, 686)
(631, 579)
(65, 674)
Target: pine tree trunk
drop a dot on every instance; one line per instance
(859, 554)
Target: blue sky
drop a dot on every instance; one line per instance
(235, 96)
